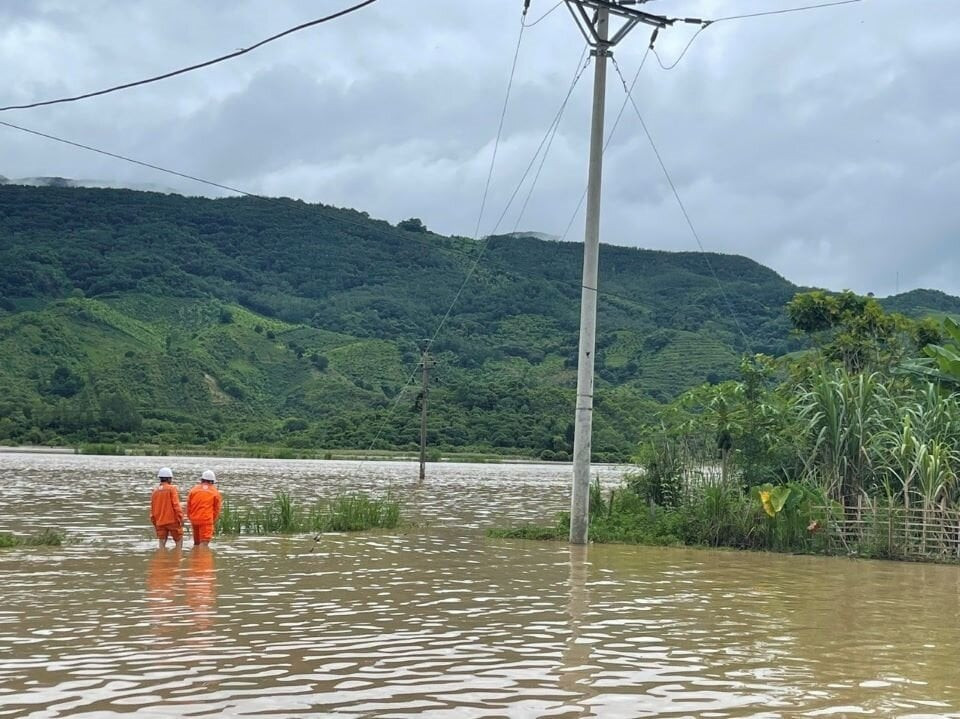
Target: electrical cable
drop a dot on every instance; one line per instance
(707, 23)
(556, 127)
(475, 263)
(503, 115)
(680, 57)
(391, 235)
(211, 183)
(476, 232)
(545, 15)
(128, 159)
(547, 141)
(783, 11)
(486, 240)
(613, 129)
(683, 209)
(208, 63)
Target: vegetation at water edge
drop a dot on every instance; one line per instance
(285, 514)
(851, 448)
(43, 538)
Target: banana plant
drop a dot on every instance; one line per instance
(773, 499)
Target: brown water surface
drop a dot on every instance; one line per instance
(438, 621)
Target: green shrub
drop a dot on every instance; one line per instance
(43, 538)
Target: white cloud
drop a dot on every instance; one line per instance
(824, 144)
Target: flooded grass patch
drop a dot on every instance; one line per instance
(284, 514)
(101, 448)
(43, 538)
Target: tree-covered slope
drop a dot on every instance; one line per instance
(164, 318)
(922, 303)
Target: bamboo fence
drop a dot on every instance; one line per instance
(930, 533)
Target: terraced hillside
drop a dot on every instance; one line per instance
(133, 316)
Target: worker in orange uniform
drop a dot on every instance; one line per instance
(166, 515)
(203, 508)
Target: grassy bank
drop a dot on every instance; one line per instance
(43, 538)
(849, 449)
(825, 460)
(717, 516)
(285, 514)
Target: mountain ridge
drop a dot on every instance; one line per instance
(130, 315)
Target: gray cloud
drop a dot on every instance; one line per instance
(824, 144)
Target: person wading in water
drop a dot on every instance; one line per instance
(166, 514)
(203, 508)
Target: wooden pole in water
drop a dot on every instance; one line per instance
(425, 365)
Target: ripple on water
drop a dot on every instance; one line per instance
(440, 622)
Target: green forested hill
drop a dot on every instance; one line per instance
(922, 303)
(138, 316)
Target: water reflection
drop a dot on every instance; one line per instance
(162, 570)
(201, 589)
(163, 587)
(576, 670)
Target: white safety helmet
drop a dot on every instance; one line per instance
(208, 476)
(165, 473)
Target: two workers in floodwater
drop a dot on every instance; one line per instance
(203, 508)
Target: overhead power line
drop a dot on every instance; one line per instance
(783, 11)
(367, 227)
(683, 208)
(610, 134)
(687, 47)
(191, 68)
(127, 159)
(544, 16)
(551, 134)
(503, 116)
(476, 233)
(544, 146)
(342, 220)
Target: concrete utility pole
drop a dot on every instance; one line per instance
(425, 365)
(593, 19)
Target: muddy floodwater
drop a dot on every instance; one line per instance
(436, 620)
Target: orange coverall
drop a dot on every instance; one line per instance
(203, 508)
(165, 512)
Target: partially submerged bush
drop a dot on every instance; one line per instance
(43, 538)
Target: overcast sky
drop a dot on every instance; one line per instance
(824, 144)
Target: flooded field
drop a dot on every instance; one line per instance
(437, 621)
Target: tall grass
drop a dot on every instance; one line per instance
(831, 461)
(284, 514)
(352, 513)
(841, 413)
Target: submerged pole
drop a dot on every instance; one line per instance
(425, 363)
(583, 427)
